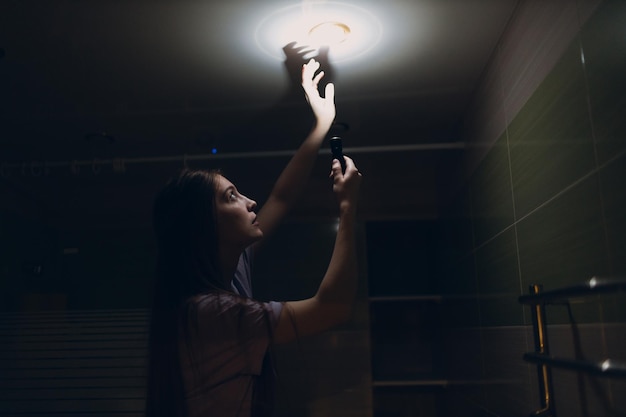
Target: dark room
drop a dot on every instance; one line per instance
(427, 199)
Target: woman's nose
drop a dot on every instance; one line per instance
(251, 204)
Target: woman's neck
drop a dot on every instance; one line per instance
(228, 261)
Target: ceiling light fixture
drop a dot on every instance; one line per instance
(329, 34)
(349, 31)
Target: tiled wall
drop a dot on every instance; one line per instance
(545, 202)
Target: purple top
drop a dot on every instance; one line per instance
(223, 362)
(242, 283)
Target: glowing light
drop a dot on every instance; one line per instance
(329, 33)
(349, 31)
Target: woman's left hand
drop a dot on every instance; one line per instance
(323, 107)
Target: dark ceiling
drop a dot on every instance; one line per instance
(144, 82)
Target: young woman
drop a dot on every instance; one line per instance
(209, 339)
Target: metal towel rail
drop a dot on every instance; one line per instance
(537, 300)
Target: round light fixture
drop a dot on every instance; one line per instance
(328, 34)
(348, 31)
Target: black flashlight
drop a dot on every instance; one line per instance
(337, 150)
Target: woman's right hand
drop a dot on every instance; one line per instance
(346, 185)
(323, 107)
(333, 301)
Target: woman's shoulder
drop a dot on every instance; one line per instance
(228, 312)
(224, 302)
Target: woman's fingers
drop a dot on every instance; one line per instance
(329, 92)
(351, 168)
(308, 70)
(335, 169)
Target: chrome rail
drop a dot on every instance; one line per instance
(607, 367)
(595, 286)
(537, 299)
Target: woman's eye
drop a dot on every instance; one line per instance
(232, 195)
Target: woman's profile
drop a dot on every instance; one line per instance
(209, 338)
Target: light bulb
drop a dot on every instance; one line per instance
(328, 34)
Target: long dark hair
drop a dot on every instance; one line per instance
(187, 264)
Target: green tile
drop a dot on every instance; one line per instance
(614, 198)
(455, 240)
(456, 226)
(457, 280)
(455, 248)
(615, 342)
(618, 388)
(613, 308)
(460, 313)
(492, 204)
(459, 290)
(498, 281)
(604, 45)
(404, 338)
(550, 138)
(564, 244)
(458, 277)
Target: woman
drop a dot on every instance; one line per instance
(209, 339)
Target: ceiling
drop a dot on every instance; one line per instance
(98, 80)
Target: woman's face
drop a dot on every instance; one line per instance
(236, 219)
